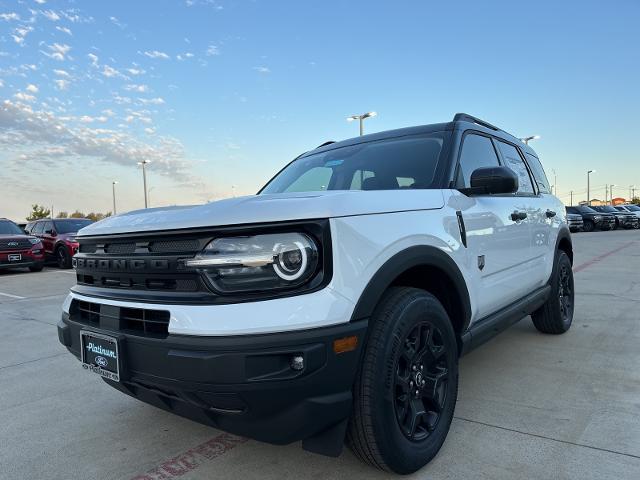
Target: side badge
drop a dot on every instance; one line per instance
(481, 262)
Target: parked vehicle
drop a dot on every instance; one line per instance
(58, 237)
(634, 209)
(623, 219)
(335, 302)
(593, 220)
(19, 250)
(574, 221)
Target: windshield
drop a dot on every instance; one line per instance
(398, 163)
(633, 208)
(607, 209)
(71, 226)
(586, 210)
(10, 228)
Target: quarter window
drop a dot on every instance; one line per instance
(477, 152)
(37, 229)
(538, 173)
(514, 161)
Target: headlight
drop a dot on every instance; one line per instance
(257, 263)
(34, 241)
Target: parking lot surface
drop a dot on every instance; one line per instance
(529, 405)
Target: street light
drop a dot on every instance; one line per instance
(361, 118)
(589, 172)
(144, 179)
(611, 192)
(632, 191)
(526, 140)
(113, 186)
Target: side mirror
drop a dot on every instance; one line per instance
(496, 180)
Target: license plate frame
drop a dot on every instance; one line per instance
(99, 357)
(14, 257)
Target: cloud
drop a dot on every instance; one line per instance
(24, 97)
(20, 33)
(61, 83)
(150, 131)
(1, 83)
(44, 138)
(51, 15)
(135, 71)
(94, 60)
(31, 88)
(212, 51)
(136, 88)
(61, 73)
(152, 101)
(262, 69)
(157, 54)
(184, 56)
(110, 72)
(64, 30)
(117, 22)
(58, 51)
(8, 17)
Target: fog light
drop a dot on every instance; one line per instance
(297, 362)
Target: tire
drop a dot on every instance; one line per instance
(409, 328)
(588, 226)
(36, 268)
(63, 259)
(556, 315)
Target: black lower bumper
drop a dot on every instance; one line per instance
(242, 384)
(22, 264)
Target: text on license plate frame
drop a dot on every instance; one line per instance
(95, 367)
(14, 257)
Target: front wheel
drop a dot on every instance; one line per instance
(407, 386)
(63, 259)
(556, 315)
(588, 226)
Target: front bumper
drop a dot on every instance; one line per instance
(241, 384)
(28, 259)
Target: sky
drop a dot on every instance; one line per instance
(219, 95)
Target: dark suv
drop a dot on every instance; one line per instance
(58, 237)
(18, 249)
(593, 220)
(623, 219)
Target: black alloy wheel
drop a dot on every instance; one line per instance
(421, 377)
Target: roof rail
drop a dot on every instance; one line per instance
(326, 143)
(465, 117)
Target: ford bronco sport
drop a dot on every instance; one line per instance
(334, 304)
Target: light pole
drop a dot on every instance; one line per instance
(571, 197)
(589, 172)
(144, 179)
(632, 191)
(113, 186)
(555, 182)
(526, 140)
(361, 119)
(611, 192)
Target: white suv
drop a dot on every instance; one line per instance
(336, 302)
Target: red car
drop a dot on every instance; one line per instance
(58, 237)
(17, 249)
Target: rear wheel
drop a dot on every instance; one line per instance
(406, 390)
(556, 315)
(63, 259)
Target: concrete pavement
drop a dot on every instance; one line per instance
(529, 406)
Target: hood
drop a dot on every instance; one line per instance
(268, 208)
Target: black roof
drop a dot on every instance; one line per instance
(461, 121)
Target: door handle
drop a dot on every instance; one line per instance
(551, 214)
(515, 216)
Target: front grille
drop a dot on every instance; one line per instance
(135, 321)
(120, 248)
(185, 283)
(19, 244)
(172, 246)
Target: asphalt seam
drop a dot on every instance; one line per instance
(599, 258)
(31, 361)
(566, 442)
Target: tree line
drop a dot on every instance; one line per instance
(40, 211)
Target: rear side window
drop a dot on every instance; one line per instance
(37, 229)
(477, 152)
(514, 161)
(538, 173)
(28, 227)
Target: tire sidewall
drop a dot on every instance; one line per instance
(62, 257)
(562, 258)
(409, 456)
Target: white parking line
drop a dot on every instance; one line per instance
(12, 296)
